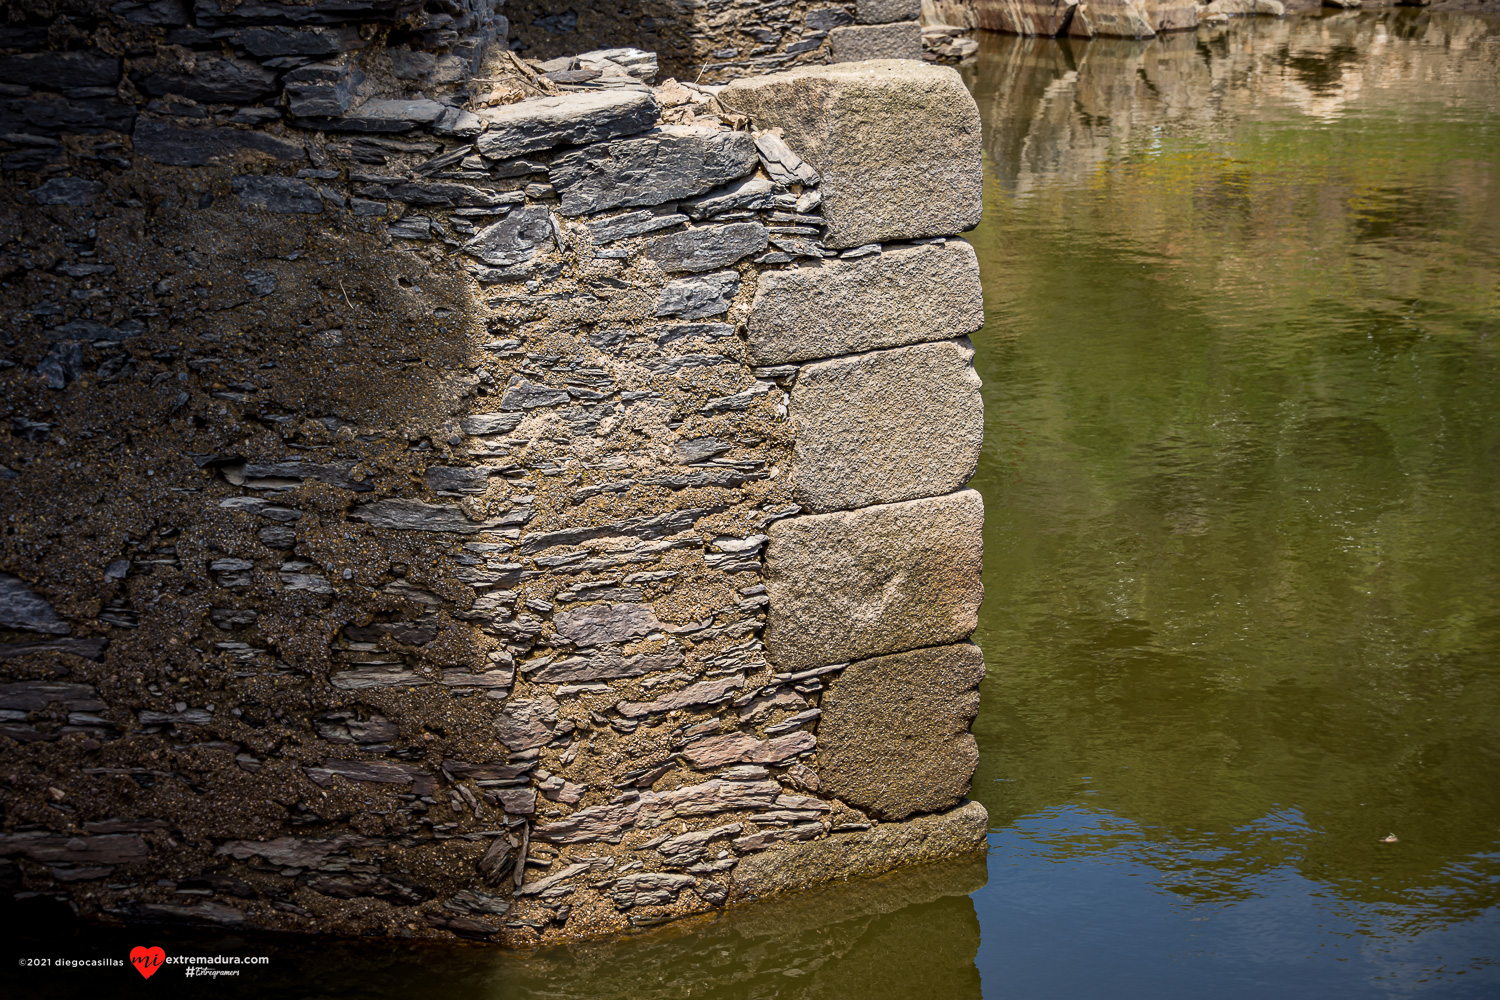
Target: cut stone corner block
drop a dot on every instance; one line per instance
(886, 426)
(906, 295)
(894, 736)
(895, 140)
(958, 833)
(886, 11)
(857, 42)
(884, 579)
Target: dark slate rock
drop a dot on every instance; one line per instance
(213, 14)
(707, 247)
(751, 193)
(272, 41)
(630, 224)
(51, 115)
(598, 624)
(261, 283)
(451, 193)
(524, 395)
(285, 195)
(514, 239)
(665, 334)
(170, 13)
(62, 365)
(568, 119)
(194, 146)
(215, 80)
(325, 89)
(699, 449)
(78, 192)
(603, 666)
(87, 329)
(669, 164)
(491, 423)
(647, 528)
(22, 609)
(469, 480)
(60, 70)
(784, 166)
(381, 115)
(826, 18)
(526, 724)
(698, 297)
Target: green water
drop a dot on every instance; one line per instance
(1242, 483)
(1242, 561)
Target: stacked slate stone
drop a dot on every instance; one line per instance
(391, 484)
(717, 40)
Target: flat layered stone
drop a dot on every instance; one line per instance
(181, 145)
(283, 195)
(886, 426)
(597, 624)
(667, 164)
(794, 867)
(565, 120)
(21, 608)
(751, 193)
(514, 239)
(894, 736)
(858, 42)
(707, 248)
(906, 295)
(895, 141)
(884, 579)
(382, 115)
(697, 297)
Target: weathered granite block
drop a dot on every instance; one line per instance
(673, 162)
(886, 426)
(896, 143)
(906, 295)
(880, 849)
(886, 11)
(884, 579)
(894, 735)
(857, 42)
(569, 119)
(707, 247)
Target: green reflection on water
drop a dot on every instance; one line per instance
(1242, 459)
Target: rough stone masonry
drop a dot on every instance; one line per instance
(446, 498)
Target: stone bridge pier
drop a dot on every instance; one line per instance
(447, 494)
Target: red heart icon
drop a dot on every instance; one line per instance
(147, 960)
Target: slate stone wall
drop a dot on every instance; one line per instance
(712, 41)
(432, 492)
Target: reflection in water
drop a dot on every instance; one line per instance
(1242, 614)
(903, 935)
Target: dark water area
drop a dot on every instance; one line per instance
(1242, 564)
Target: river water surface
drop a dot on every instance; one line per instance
(1242, 483)
(1241, 732)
